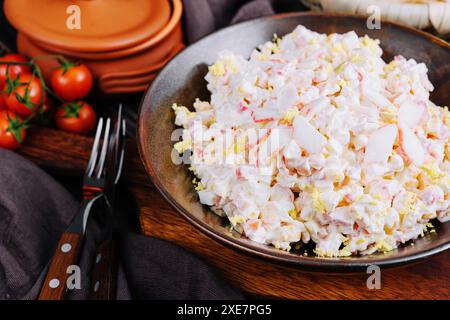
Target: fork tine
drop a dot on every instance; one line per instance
(117, 127)
(101, 162)
(119, 115)
(94, 151)
(122, 152)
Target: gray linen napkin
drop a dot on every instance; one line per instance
(35, 210)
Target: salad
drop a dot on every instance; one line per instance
(315, 138)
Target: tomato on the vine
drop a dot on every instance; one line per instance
(12, 130)
(2, 101)
(24, 95)
(44, 116)
(14, 70)
(71, 81)
(48, 105)
(77, 117)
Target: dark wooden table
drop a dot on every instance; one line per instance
(66, 155)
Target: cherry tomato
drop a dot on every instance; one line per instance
(12, 130)
(77, 117)
(14, 70)
(2, 101)
(71, 82)
(29, 89)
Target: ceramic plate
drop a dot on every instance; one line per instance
(181, 81)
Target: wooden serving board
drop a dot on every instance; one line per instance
(67, 154)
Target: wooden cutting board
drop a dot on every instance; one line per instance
(67, 154)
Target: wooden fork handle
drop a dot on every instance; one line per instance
(104, 273)
(66, 254)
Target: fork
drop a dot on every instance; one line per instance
(67, 251)
(104, 272)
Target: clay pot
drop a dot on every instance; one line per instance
(133, 54)
(104, 25)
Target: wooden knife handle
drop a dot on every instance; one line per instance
(66, 254)
(104, 273)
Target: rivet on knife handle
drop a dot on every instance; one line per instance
(55, 285)
(104, 273)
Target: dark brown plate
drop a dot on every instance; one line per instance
(181, 81)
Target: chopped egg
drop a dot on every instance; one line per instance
(217, 69)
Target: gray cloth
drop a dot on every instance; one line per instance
(35, 210)
(202, 17)
(205, 16)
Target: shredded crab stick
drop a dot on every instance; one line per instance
(316, 139)
(380, 144)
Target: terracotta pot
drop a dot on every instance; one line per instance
(147, 70)
(104, 25)
(133, 81)
(138, 87)
(135, 64)
(159, 39)
(103, 67)
(127, 90)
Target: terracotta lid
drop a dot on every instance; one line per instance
(105, 25)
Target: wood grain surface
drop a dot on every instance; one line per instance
(54, 287)
(104, 273)
(67, 154)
